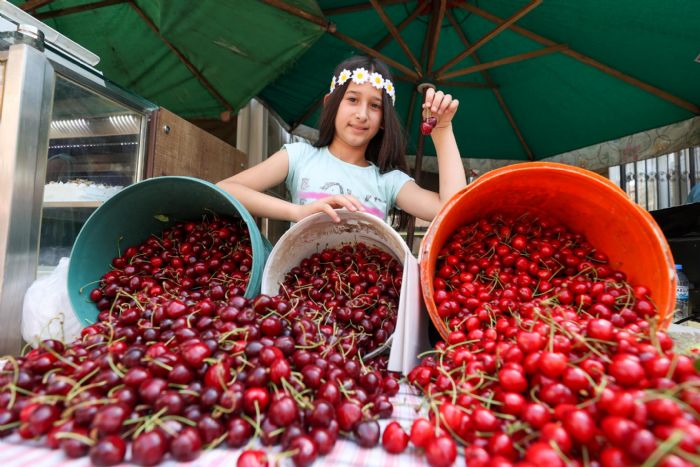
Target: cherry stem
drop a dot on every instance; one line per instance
(216, 442)
(115, 367)
(150, 422)
(693, 459)
(555, 447)
(57, 355)
(15, 377)
(664, 448)
(8, 426)
(69, 411)
(70, 435)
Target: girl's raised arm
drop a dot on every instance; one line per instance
(422, 203)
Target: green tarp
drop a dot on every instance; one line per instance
(559, 103)
(238, 47)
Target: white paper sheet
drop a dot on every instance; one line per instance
(411, 334)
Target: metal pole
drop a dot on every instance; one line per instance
(27, 103)
(691, 166)
(418, 169)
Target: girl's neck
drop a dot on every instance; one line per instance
(349, 154)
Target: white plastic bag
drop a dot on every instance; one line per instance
(47, 312)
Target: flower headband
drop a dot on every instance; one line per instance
(360, 75)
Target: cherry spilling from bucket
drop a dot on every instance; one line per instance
(551, 357)
(179, 361)
(190, 262)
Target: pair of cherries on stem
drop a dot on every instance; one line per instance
(429, 122)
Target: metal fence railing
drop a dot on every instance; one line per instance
(660, 182)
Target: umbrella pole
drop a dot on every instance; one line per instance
(411, 227)
(418, 168)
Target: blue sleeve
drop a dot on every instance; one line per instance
(395, 180)
(295, 152)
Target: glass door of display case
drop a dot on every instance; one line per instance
(96, 148)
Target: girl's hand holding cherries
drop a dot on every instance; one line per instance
(438, 110)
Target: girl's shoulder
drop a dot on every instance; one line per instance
(396, 174)
(301, 148)
(302, 155)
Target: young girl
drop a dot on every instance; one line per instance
(358, 162)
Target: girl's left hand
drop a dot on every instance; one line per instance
(441, 105)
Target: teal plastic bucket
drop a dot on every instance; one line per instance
(139, 210)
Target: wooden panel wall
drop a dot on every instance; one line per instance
(180, 148)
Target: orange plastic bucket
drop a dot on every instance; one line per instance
(583, 201)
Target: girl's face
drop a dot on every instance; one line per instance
(359, 115)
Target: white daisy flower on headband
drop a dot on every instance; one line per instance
(332, 84)
(389, 87)
(344, 76)
(360, 75)
(376, 80)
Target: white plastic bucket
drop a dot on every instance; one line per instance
(315, 233)
(318, 232)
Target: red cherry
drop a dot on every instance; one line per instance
(349, 415)
(194, 352)
(149, 448)
(394, 438)
(187, 445)
(425, 128)
(306, 450)
(422, 432)
(217, 375)
(367, 433)
(253, 397)
(109, 450)
(252, 458)
(441, 451)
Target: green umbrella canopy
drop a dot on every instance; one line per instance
(196, 58)
(534, 78)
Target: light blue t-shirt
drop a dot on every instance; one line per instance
(315, 173)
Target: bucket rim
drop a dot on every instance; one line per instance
(518, 170)
(79, 298)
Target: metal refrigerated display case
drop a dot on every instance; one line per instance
(69, 139)
(96, 148)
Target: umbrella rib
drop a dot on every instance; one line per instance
(78, 9)
(504, 61)
(385, 40)
(296, 11)
(330, 27)
(496, 91)
(590, 61)
(397, 36)
(34, 4)
(182, 58)
(464, 84)
(370, 51)
(358, 7)
(436, 34)
(500, 28)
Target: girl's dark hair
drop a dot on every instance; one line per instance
(387, 150)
